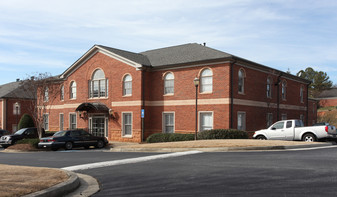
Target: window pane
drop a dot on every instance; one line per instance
(206, 81)
(206, 121)
(127, 124)
(168, 123)
(98, 74)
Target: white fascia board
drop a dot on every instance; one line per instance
(91, 52)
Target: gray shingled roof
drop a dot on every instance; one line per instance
(136, 57)
(328, 93)
(15, 90)
(182, 54)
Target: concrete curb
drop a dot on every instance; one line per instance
(60, 189)
(88, 187)
(220, 149)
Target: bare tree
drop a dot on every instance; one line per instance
(45, 89)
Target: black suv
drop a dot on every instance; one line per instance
(24, 133)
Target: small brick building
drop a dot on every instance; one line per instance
(127, 96)
(328, 98)
(14, 102)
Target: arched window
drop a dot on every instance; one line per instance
(127, 85)
(241, 81)
(73, 90)
(206, 81)
(62, 93)
(98, 85)
(16, 108)
(169, 83)
(269, 82)
(302, 94)
(284, 90)
(46, 95)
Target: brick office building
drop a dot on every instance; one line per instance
(15, 101)
(106, 90)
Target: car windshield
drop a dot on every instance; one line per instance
(20, 132)
(60, 133)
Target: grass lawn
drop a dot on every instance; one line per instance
(21, 180)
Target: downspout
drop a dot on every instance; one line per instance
(278, 96)
(231, 93)
(143, 104)
(307, 118)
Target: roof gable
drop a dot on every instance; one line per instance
(132, 59)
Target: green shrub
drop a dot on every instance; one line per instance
(222, 134)
(34, 142)
(169, 137)
(26, 121)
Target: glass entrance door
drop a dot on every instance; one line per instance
(98, 126)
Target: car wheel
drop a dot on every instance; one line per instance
(309, 138)
(86, 147)
(261, 137)
(68, 146)
(4, 146)
(100, 144)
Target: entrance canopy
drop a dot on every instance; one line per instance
(98, 107)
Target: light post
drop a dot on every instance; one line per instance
(196, 84)
(17, 114)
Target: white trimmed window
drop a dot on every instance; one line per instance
(284, 90)
(302, 94)
(205, 121)
(46, 122)
(98, 85)
(206, 81)
(269, 82)
(269, 119)
(284, 116)
(61, 122)
(242, 121)
(127, 124)
(46, 95)
(73, 90)
(169, 84)
(168, 122)
(127, 85)
(72, 121)
(241, 81)
(16, 108)
(62, 93)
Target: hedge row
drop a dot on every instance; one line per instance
(169, 137)
(204, 135)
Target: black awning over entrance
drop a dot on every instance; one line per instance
(98, 107)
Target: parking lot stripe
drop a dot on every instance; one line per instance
(128, 161)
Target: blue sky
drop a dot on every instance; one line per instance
(38, 36)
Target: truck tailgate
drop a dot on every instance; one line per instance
(332, 130)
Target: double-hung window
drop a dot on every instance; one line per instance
(241, 81)
(46, 122)
(168, 122)
(73, 90)
(72, 121)
(169, 83)
(269, 87)
(206, 81)
(242, 121)
(127, 85)
(206, 121)
(127, 124)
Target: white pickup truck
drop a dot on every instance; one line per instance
(294, 130)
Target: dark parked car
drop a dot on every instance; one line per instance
(24, 133)
(72, 138)
(4, 132)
